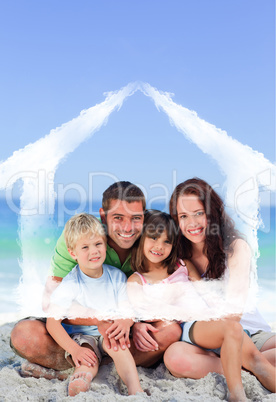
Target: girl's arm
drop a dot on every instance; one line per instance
(80, 355)
(119, 330)
(134, 279)
(142, 339)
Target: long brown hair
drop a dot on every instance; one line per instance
(220, 231)
(155, 223)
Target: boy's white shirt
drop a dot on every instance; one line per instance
(80, 296)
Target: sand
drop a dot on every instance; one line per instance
(108, 387)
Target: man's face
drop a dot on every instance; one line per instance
(124, 222)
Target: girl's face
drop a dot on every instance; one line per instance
(157, 249)
(192, 218)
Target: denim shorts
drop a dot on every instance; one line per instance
(187, 336)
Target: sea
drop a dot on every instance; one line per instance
(11, 254)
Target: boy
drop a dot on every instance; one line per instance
(122, 212)
(91, 288)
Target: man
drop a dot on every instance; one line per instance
(122, 212)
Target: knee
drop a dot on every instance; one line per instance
(178, 364)
(167, 335)
(254, 356)
(26, 337)
(234, 330)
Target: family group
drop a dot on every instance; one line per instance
(100, 298)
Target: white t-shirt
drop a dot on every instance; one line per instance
(254, 322)
(79, 295)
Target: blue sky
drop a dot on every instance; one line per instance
(60, 57)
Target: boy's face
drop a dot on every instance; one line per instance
(90, 253)
(124, 222)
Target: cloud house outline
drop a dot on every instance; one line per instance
(249, 172)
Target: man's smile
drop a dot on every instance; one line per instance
(126, 236)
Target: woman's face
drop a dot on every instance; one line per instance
(192, 218)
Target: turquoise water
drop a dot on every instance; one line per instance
(10, 254)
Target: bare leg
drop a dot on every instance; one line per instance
(229, 335)
(81, 380)
(35, 370)
(126, 368)
(269, 350)
(184, 360)
(167, 334)
(32, 342)
(254, 361)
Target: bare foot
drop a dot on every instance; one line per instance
(79, 382)
(34, 370)
(237, 395)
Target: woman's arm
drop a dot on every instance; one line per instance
(239, 263)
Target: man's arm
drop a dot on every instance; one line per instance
(51, 284)
(62, 262)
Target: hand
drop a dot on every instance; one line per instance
(119, 330)
(111, 343)
(142, 339)
(82, 355)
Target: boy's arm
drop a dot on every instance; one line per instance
(80, 355)
(51, 285)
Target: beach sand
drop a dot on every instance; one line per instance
(108, 387)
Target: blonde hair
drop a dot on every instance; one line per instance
(80, 225)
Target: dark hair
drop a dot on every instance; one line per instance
(155, 223)
(124, 191)
(220, 231)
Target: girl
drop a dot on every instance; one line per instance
(155, 263)
(154, 260)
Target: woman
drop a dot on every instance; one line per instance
(207, 238)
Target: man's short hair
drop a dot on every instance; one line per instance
(80, 225)
(123, 191)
